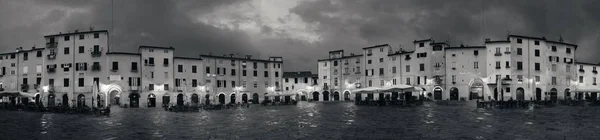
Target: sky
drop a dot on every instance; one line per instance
(301, 31)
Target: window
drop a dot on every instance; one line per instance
(151, 61)
(421, 44)
(519, 65)
(166, 86)
(255, 73)
(553, 80)
(537, 53)
(537, 66)
(475, 52)
(325, 64)
(380, 49)
(232, 72)
(66, 82)
(580, 79)
(553, 67)
(80, 82)
(67, 38)
(437, 48)
(39, 54)
(497, 64)
(25, 56)
(408, 81)
(380, 60)
(422, 67)
(568, 68)
(151, 74)
(519, 40)
(194, 83)
(81, 37)
(266, 74)
(497, 50)
(166, 61)
(357, 60)
(115, 65)
(475, 65)
(207, 70)
(537, 78)
(507, 64)
(418, 80)
(232, 62)
(370, 83)
(243, 72)
(381, 70)
(393, 69)
(305, 80)
(407, 68)
(180, 68)
(276, 74)
(96, 35)
(519, 51)
(569, 50)
(166, 75)
(368, 61)
(194, 69)
(594, 80)
(335, 63)
(232, 83)
(536, 42)
(81, 49)
(151, 87)
(265, 64)
(453, 78)
(66, 50)
(520, 77)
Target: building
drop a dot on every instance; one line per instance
(518, 68)
(301, 83)
(338, 74)
(68, 68)
(587, 76)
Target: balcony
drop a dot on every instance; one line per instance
(581, 70)
(407, 58)
(369, 54)
(164, 64)
(507, 52)
(24, 87)
(179, 89)
(96, 53)
(498, 67)
(51, 56)
(114, 69)
(508, 67)
(594, 71)
(498, 54)
(95, 67)
(51, 44)
(453, 68)
(325, 87)
(51, 70)
(454, 82)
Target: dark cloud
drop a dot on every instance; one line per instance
(340, 24)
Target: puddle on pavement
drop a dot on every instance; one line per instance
(528, 123)
(479, 118)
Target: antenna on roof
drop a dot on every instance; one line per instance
(91, 28)
(560, 39)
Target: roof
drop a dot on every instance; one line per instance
(466, 47)
(376, 46)
(562, 43)
(123, 53)
(586, 63)
(343, 57)
(435, 43)
(74, 33)
(189, 58)
(336, 51)
(424, 40)
(399, 53)
(527, 37)
(297, 74)
(157, 47)
(238, 58)
(498, 41)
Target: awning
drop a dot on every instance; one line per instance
(367, 90)
(27, 94)
(397, 88)
(9, 93)
(586, 89)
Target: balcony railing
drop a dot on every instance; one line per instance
(581, 70)
(51, 70)
(166, 64)
(96, 53)
(369, 54)
(594, 71)
(498, 67)
(507, 52)
(51, 44)
(407, 58)
(51, 56)
(95, 67)
(498, 54)
(114, 70)
(508, 67)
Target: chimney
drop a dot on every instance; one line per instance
(560, 39)
(231, 55)
(487, 40)
(248, 56)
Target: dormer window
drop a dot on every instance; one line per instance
(536, 42)
(553, 48)
(520, 41)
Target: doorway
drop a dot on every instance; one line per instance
(151, 100)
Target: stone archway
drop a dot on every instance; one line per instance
(232, 99)
(180, 100)
(325, 95)
(134, 100)
(114, 97)
(151, 100)
(245, 98)
(553, 94)
(255, 98)
(538, 94)
(315, 96)
(37, 99)
(221, 98)
(336, 96)
(166, 99)
(80, 101)
(347, 96)
(207, 99)
(437, 93)
(51, 100)
(195, 99)
(520, 94)
(454, 93)
(476, 89)
(65, 100)
(567, 94)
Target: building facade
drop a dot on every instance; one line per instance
(301, 83)
(66, 70)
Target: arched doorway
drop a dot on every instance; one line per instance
(303, 96)
(221, 98)
(381, 96)
(151, 100)
(437, 93)
(37, 99)
(347, 96)
(51, 100)
(370, 97)
(594, 96)
(166, 100)
(232, 99)
(245, 98)
(336, 96)
(315, 96)
(567, 95)
(554, 94)
(520, 94)
(207, 99)
(65, 100)
(179, 99)
(496, 94)
(195, 99)
(325, 95)
(453, 93)
(538, 94)
(255, 98)
(277, 99)
(134, 100)
(266, 98)
(476, 89)
(80, 100)
(114, 97)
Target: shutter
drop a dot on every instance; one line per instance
(139, 81)
(85, 66)
(129, 82)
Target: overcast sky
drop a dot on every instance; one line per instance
(301, 31)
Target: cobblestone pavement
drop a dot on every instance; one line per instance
(333, 120)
